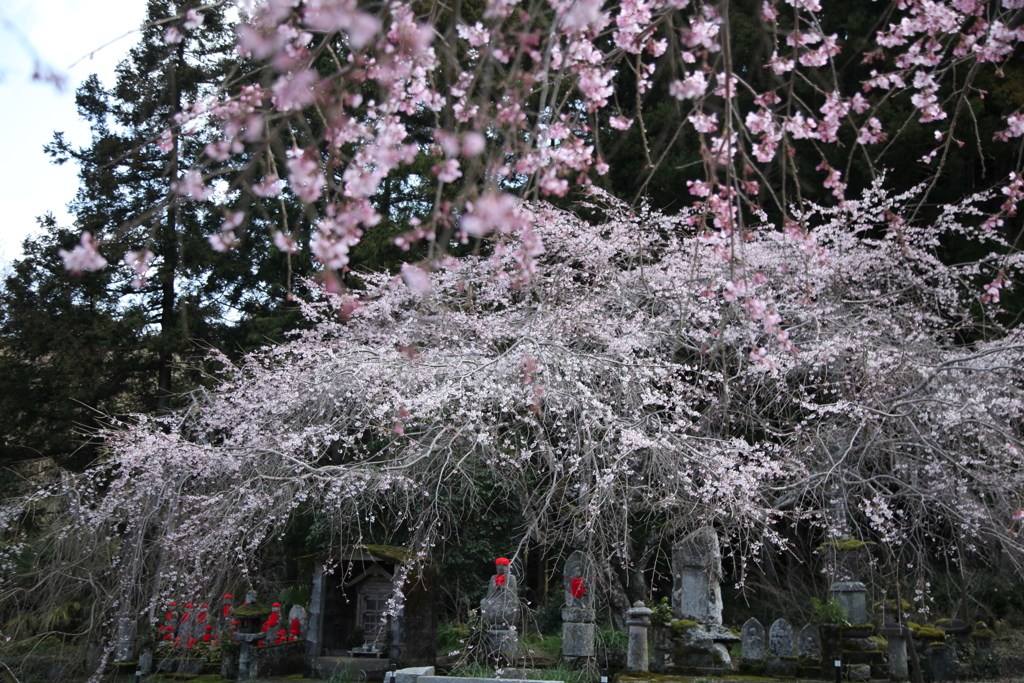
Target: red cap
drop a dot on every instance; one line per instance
(276, 604)
(228, 596)
(502, 560)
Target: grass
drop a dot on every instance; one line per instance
(551, 645)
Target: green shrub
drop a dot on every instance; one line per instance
(451, 636)
(662, 612)
(611, 639)
(828, 612)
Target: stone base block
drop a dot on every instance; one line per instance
(659, 661)
(859, 672)
(503, 645)
(869, 658)
(410, 674)
(860, 644)
(782, 667)
(752, 667)
(700, 653)
(578, 640)
(711, 671)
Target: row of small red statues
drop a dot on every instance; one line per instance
(281, 635)
(188, 637)
(191, 626)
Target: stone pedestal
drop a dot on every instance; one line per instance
(661, 645)
(638, 618)
(701, 650)
(852, 596)
(246, 643)
(943, 662)
(831, 650)
(899, 669)
(502, 646)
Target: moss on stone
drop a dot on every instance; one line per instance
(930, 633)
(247, 611)
(395, 553)
(849, 544)
(683, 624)
(983, 633)
(944, 622)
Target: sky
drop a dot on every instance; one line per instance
(58, 33)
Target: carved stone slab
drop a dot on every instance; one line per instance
(752, 641)
(808, 644)
(780, 639)
(696, 573)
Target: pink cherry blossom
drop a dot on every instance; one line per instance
(191, 185)
(448, 171)
(83, 257)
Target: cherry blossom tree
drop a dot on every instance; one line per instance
(606, 374)
(737, 363)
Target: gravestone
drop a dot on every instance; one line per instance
(124, 643)
(752, 642)
(781, 661)
(808, 644)
(697, 572)
(780, 639)
(500, 612)
(578, 615)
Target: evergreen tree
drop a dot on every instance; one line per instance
(119, 340)
(69, 353)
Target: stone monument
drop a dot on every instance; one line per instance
(781, 661)
(808, 645)
(500, 612)
(809, 651)
(698, 638)
(578, 615)
(697, 572)
(852, 596)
